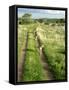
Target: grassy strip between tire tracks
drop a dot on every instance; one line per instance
(32, 68)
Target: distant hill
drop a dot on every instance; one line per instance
(48, 20)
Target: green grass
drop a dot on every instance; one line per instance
(22, 29)
(32, 68)
(21, 42)
(53, 39)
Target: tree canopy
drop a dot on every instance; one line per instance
(27, 18)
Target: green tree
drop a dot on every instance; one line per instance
(27, 18)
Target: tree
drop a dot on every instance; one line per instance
(62, 20)
(20, 20)
(27, 18)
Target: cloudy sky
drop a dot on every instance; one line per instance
(41, 13)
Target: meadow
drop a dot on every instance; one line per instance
(49, 36)
(53, 40)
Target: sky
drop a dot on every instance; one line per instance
(41, 13)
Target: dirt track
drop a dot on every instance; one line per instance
(47, 72)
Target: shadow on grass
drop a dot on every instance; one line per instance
(29, 50)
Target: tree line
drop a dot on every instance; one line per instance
(28, 19)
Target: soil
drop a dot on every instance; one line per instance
(47, 73)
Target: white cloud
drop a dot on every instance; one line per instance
(55, 12)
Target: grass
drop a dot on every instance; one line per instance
(22, 30)
(32, 68)
(53, 40)
(52, 37)
(21, 42)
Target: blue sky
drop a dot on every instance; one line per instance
(41, 13)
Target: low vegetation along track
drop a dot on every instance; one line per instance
(47, 73)
(29, 73)
(43, 59)
(21, 64)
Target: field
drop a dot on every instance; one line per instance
(53, 40)
(35, 40)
